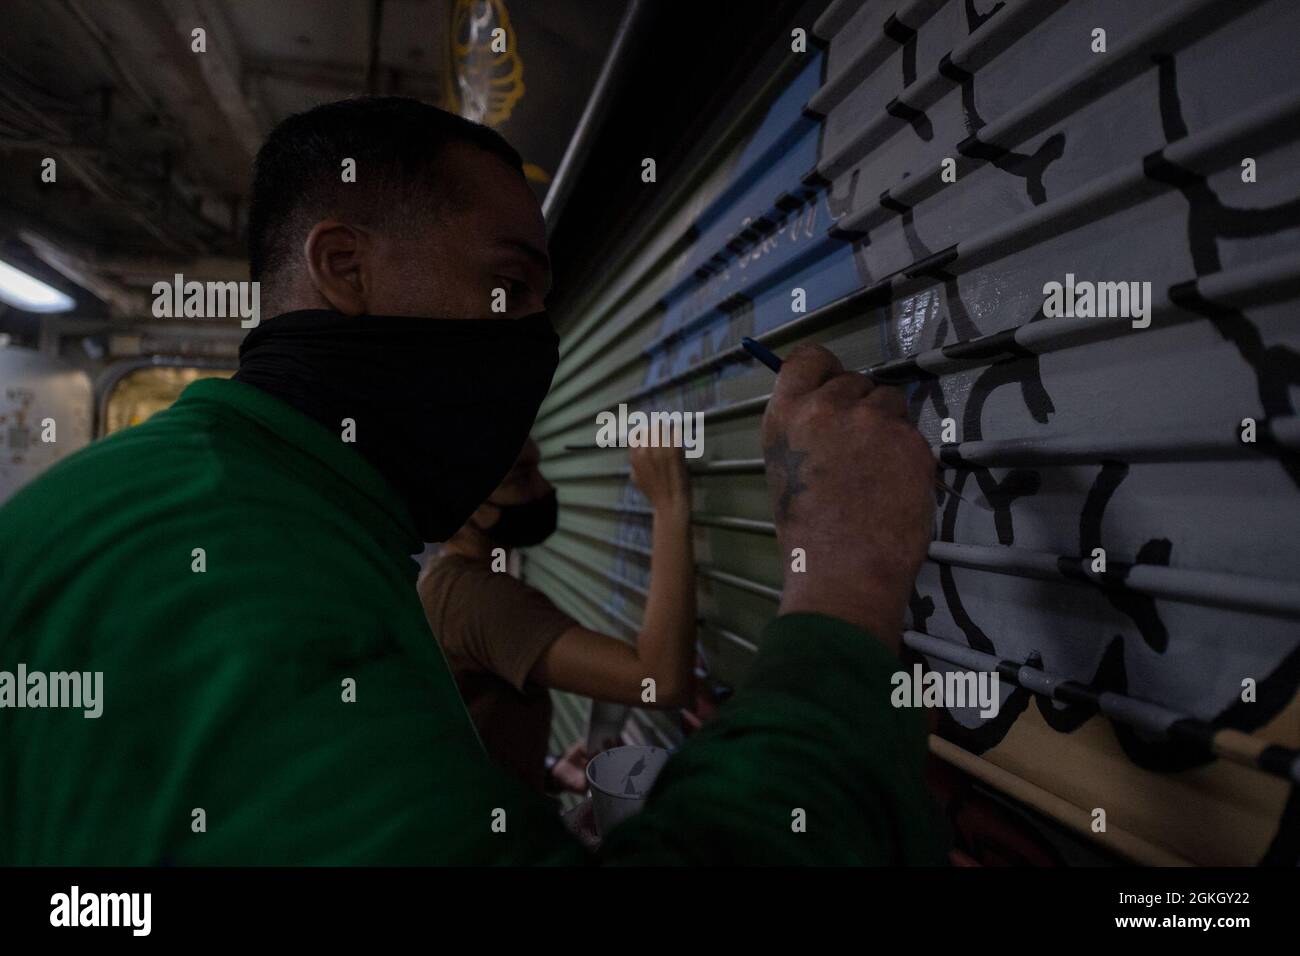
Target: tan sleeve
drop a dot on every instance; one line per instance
(489, 619)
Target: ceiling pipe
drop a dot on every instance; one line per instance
(117, 278)
(593, 114)
(75, 265)
(222, 70)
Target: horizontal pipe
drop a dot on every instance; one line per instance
(1150, 717)
(1095, 200)
(876, 50)
(1169, 445)
(1084, 204)
(701, 570)
(1210, 588)
(640, 590)
(828, 314)
(607, 541)
(836, 14)
(1256, 595)
(1232, 745)
(1165, 445)
(976, 50)
(723, 466)
(738, 582)
(732, 637)
(1098, 76)
(1256, 282)
(619, 619)
(1244, 126)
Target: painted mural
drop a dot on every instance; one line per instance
(1124, 543)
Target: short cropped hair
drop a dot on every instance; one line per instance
(397, 143)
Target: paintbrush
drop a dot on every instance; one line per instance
(773, 361)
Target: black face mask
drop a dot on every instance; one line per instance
(442, 406)
(526, 524)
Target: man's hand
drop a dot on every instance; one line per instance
(660, 473)
(852, 484)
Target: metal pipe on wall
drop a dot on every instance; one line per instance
(602, 95)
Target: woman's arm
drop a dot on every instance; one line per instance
(597, 665)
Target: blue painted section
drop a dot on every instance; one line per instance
(750, 270)
(737, 279)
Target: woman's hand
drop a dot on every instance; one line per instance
(570, 771)
(660, 473)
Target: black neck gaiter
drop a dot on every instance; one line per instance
(441, 406)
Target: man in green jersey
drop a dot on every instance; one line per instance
(238, 568)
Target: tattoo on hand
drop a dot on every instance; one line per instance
(783, 462)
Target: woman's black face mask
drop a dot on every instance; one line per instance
(526, 524)
(441, 406)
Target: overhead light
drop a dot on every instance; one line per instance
(29, 293)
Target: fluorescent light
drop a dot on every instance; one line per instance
(26, 292)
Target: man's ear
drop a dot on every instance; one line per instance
(338, 261)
